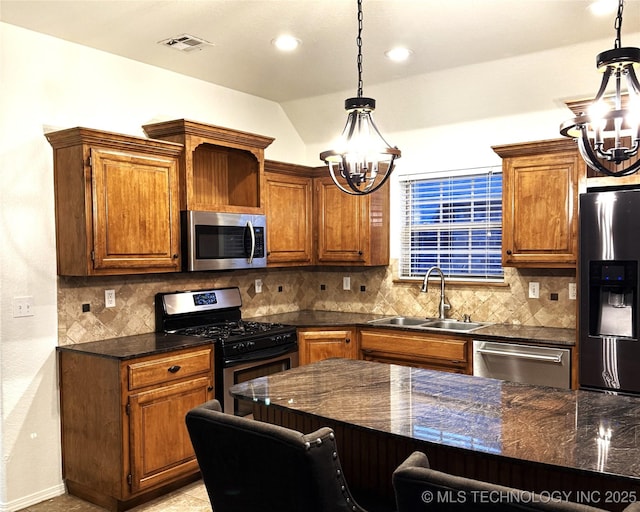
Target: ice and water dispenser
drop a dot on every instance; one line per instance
(613, 299)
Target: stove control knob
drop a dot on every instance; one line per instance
(250, 344)
(240, 347)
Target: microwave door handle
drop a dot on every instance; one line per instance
(253, 241)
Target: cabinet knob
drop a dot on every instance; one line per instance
(209, 388)
(509, 252)
(174, 369)
(359, 253)
(175, 256)
(347, 340)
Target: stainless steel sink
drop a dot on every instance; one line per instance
(453, 325)
(401, 321)
(433, 324)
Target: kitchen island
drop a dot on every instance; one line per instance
(580, 443)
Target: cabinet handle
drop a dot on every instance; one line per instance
(509, 252)
(348, 340)
(174, 369)
(359, 253)
(175, 256)
(209, 388)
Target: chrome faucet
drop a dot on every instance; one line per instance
(425, 289)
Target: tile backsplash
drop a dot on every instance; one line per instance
(373, 290)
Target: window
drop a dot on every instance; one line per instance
(454, 222)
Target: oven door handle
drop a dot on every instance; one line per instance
(253, 241)
(259, 355)
(556, 358)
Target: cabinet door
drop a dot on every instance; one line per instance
(432, 351)
(135, 212)
(160, 447)
(289, 220)
(540, 210)
(316, 345)
(342, 234)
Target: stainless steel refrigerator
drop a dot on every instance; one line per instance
(608, 310)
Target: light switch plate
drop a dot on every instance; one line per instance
(346, 283)
(534, 290)
(573, 291)
(22, 306)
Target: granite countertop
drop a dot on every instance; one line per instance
(140, 345)
(495, 332)
(582, 430)
(552, 335)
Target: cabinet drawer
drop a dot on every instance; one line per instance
(443, 348)
(168, 369)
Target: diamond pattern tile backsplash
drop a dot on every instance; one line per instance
(373, 290)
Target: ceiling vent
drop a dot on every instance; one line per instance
(185, 43)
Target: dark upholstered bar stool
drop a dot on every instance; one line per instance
(419, 488)
(248, 465)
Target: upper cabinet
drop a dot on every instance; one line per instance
(312, 222)
(116, 203)
(351, 230)
(540, 203)
(221, 170)
(289, 214)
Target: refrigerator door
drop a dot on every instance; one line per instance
(608, 309)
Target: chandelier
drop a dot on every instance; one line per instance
(610, 130)
(362, 161)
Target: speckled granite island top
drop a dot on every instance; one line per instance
(580, 430)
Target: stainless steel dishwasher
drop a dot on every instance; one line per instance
(542, 366)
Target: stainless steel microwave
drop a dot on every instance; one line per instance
(223, 241)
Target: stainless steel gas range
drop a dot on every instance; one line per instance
(244, 350)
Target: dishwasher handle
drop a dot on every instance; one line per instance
(556, 358)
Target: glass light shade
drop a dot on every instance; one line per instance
(362, 161)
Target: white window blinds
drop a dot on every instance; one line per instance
(454, 222)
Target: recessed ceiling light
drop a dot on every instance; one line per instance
(398, 54)
(603, 7)
(286, 43)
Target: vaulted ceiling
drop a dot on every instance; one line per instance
(441, 33)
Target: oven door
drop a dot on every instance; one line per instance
(244, 371)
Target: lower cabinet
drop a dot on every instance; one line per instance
(124, 439)
(425, 350)
(318, 344)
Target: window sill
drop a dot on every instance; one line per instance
(454, 282)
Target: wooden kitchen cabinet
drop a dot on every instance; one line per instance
(124, 439)
(350, 230)
(289, 214)
(442, 352)
(541, 182)
(116, 203)
(324, 343)
(221, 170)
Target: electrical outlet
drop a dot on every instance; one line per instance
(22, 306)
(109, 298)
(346, 283)
(258, 285)
(534, 290)
(573, 291)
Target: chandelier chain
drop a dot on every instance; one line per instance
(618, 24)
(359, 43)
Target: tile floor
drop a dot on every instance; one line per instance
(191, 498)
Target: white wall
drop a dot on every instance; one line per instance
(46, 84)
